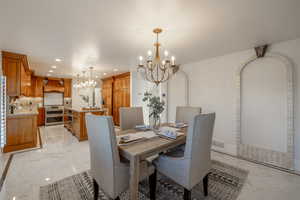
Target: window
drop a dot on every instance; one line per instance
(2, 111)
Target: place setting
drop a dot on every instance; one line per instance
(146, 133)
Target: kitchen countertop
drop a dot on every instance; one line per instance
(81, 110)
(23, 113)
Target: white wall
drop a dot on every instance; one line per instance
(213, 87)
(264, 92)
(77, 100)
(139, 86)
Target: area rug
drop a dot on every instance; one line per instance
(225, 183)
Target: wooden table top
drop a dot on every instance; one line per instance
(149, 147)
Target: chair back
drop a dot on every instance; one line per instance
(186, 114)
(130, 117)
(198, 147)
(103, 151)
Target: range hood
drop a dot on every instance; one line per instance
(54, 85)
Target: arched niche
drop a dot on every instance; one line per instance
(259, 153)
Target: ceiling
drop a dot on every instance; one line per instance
(111, 34)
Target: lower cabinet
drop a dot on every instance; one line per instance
(79, 125)
(21, 132)
(41, 116)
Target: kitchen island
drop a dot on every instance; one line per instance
(21, 131)
(74, 120)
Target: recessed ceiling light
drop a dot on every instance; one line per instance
(97, 76)
(47, 179)
(104, 73)
(53, 67)
(50, 70)
(115, 70)
(58, 60)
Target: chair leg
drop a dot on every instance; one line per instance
(152, 185)
(118, 198)
(187, 194)
(96, 189)
(205, 185)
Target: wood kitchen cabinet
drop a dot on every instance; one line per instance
(37, 86)
(54, 85)
(25, 82)
(121, 95)
(79, 125)
(68, 88)
(107, 94)
(18, 76)
(11, 66)
(41, 116)
(21, 132)
(116, 94)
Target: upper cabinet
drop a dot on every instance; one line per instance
(18, 76)
(25, 82)
(107, 93)
(116, 94)
(22, 82)
(37, 86)
(121, 94)
(11, 66)
(68, 88)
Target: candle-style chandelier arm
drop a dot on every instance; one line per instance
(145, 74)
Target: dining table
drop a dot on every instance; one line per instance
(139, 151)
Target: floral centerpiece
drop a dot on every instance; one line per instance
(156, 107)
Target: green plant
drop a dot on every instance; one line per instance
(156, 106)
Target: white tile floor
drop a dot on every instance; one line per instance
(63, 156)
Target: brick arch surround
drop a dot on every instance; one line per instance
(280, 159)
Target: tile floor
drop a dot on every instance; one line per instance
(64, 156)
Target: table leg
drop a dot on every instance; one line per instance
(134, 177)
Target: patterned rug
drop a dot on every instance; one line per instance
(225, 183)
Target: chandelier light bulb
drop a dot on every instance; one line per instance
(149, 53)
(141, 60)
(166, 53)
(173, 60)
(163, 62)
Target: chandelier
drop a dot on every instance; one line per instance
(155, 69)
(85, 81)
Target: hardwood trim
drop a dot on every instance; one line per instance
(4, 174)
(122, 75)
(25, 64)
(40, 139)
(108, 78)
(12, 55)
(18, 56)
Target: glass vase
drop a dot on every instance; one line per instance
(155, 123)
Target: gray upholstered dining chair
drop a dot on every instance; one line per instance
(186, 113)
(130, 117)
(107, 170)
(193, 166)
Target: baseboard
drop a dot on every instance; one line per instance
(297, 165)
(228, 149)
(231, 149)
